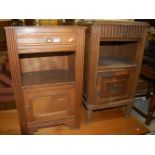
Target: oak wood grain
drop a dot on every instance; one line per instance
(47, 74)
(112, 46)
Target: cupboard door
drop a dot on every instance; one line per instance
(49, 105)
(112, 85)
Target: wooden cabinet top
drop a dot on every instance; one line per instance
(33, 29)
(112, 22)
(128, 30)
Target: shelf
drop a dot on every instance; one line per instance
(47, 77)
(115, 62)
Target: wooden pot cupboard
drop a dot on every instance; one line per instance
(113, 57)
(47, 73)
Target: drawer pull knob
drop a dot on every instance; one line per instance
(53, 40)
(49, 40)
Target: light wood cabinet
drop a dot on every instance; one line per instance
(47, 71)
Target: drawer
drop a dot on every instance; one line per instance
(112, 85)
(122, 31)
(45, 41)
(49, 105)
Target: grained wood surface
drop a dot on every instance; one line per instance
(47, 77)
(93, 52)
(112, 45)
(110, 121)
(115, 62)
(122, 31)
(42, 62)
(16, 78)
(49, 103)
(47, 60)
(79, 62)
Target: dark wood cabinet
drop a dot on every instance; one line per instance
(113, 85)
(47, 71)
(113, 57)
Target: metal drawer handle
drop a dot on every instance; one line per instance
(53, 40)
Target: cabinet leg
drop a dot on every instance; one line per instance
(26, 132)
(76, 123)
(31, 131)
(128, 110)
(151, 109)
(148, 119)
(73, 124)
(89, 115)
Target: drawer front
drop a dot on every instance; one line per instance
(122, 32)
(50, 105)
(45, 40)
(112, 85)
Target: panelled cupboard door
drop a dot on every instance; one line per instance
(49, 105)
(113, 85)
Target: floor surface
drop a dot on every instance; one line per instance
(142, 104)
(109, 121)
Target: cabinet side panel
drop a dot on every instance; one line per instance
(79, 60)
(93, 52)
(86, 65)
(16, 79)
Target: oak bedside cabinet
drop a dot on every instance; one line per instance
(113, 57)
(47, 71)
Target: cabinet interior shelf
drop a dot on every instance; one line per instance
(47, 77)
(115, 61)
